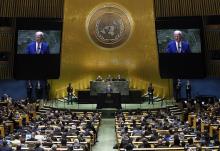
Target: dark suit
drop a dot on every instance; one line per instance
(172, 48)
(38, 149)
(70, 94)
(29, 91)
(150, 94)
(5, 148)
(31, 48)
(188, 91)
(38, 91)
(47, 91)
(178, 91)
(109, 90)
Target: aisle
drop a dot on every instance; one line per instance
(106, 136)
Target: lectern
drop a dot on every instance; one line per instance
(109, 98)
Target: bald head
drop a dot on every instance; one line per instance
(177, 35)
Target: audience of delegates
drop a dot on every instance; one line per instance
(5, 147)
(163, 129)
(54, 129)
(73, 130)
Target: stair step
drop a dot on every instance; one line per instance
(42, 111)
(63, 99)
(177, 113)
(173, 107)
(170, 106)
(155, 97)
(173, 110)
(46, 107)
(43, 108)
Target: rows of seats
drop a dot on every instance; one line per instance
(162, 130)
(52, 130)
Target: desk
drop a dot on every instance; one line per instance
(213, 127)
(134, 97)
(34, 114)
(19, 121)
(109, 100)
(190, 118)
(2, 130)
(3, 103)
(10, 124)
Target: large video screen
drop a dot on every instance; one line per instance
(180, 47)
(38, 48)
(38, 42)
(179, 41)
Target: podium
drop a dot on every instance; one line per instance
(108, 100)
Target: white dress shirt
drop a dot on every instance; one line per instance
(38, 45)
(179, 46)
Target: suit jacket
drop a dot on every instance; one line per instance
(109, 90)
(31, 48)
(171, 47)
(38, 149)
(5, 148)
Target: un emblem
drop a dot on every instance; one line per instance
(109, 25)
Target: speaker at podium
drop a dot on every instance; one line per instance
(109, 100)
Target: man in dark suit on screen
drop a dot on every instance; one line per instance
(38, 46)
(178, 45)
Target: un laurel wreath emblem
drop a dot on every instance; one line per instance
(109, 25)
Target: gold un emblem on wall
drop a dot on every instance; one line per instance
(109, 25)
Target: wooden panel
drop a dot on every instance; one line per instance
(212, 40)
(217, 6)
(31, 8)
(6, 70)
(7, 45)
(213, 69)
(6, 39)
(185, 4)
(6, 8)
(166, 8)
(51, 8)
(27, 8)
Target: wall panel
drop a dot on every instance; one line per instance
(7, 8)
(51, 8)
(167, 8)
(136, 60)
(10, 10)
(26, 8)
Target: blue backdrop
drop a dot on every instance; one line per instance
(202, 87)
(16, 89)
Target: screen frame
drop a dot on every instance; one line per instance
(173, 65)
(27, 66)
